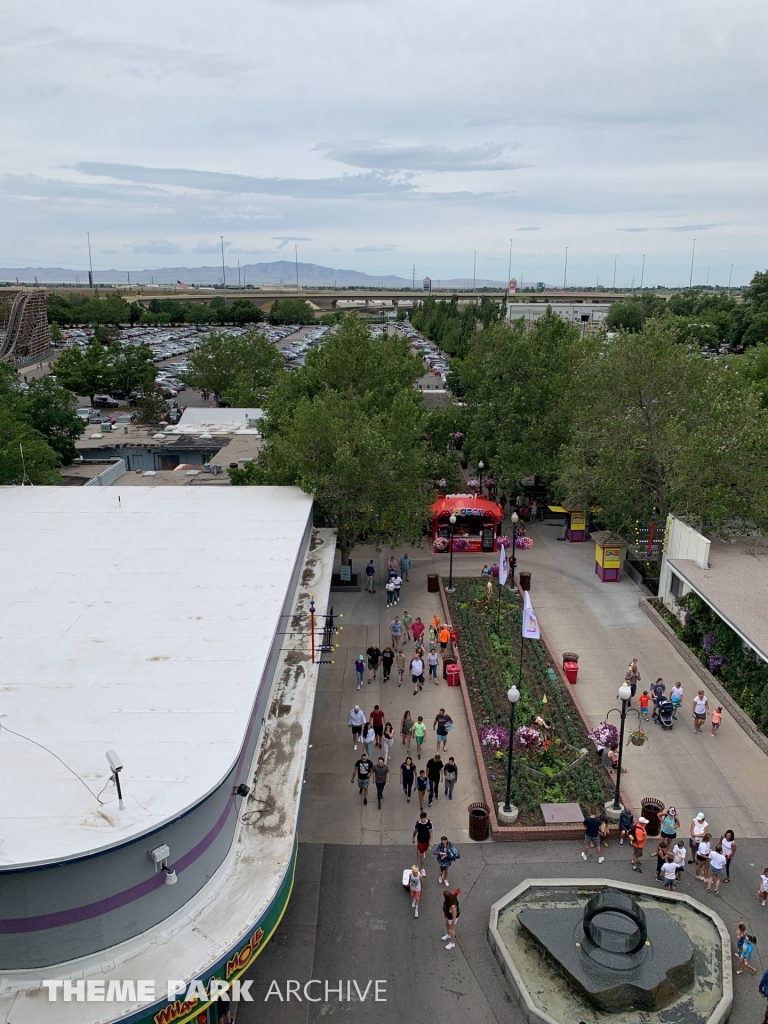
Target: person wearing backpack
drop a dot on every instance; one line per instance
(446, 854)
(638, 838)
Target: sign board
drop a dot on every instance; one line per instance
(512, 285)
(345, 573)
(578, 521)
(426, 284)
(540, 286)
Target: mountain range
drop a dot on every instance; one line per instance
(279, 272)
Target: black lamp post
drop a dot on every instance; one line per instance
(625, 694)
(452, 521)
(515, 521)
(513, 696)
(480, 468)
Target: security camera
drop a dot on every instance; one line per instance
(160, 854)
(114, 761)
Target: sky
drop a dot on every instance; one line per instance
(379, 135)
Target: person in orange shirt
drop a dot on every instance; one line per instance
(638, 839)
(644, 701)
(445, 636)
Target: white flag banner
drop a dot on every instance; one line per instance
(503, 565)
(531, 629)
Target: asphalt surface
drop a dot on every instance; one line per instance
(349, 919)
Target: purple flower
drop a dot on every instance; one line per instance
(604, 734)
(716, 662)
(708, 641)
(527, 737)
(494, 736)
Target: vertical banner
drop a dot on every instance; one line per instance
(531, 629)
(512, 285)
(503, 565)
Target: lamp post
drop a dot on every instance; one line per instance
(513, 696)
(625, 693)
(452, 521)
(515, 521)
(480, 468)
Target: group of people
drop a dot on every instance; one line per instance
(398, 570)
(657, 694)
(445, 854)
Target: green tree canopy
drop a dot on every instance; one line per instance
(238, 370)
(291, 311)
(132, 367)
(85, 373)
(50, 409)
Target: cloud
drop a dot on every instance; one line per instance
(374, 248)
(285, 239)
(529, 229)
(247, 252)
(343, 187)
(421, 157)
(633, 229)
(695, 227)
(156, 245)
(108, 252)
(335, 250)
(205, 248)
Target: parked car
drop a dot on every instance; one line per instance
(85, 413)
(105, 402)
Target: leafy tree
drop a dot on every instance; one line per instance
(237, 370)
(132, 367)
(625, 316)
(21, 446)
(88, 373)
(335, 317)
(243, 311)
(753, 367)
(151, 407)
(55, 332)
(50, 409)
(661, 427)
(291, 311)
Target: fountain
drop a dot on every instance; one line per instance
(580, 950)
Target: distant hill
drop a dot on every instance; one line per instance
(279, 272)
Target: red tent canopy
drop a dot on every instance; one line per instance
(465, 504)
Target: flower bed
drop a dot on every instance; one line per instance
(549, 764)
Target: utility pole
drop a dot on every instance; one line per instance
(707, 277)
(413, 282)
(642, 273)
(615, 259)
(223, 268)
(474, 273)
(509, 272)
(238, 273)
(565, 272)
(90, 262)
(693, 253)
(729, 281)
(129, 279)
(296, 251)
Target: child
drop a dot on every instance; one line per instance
(717, 717)
(626, 821)
(702, 857)
(644, 701)
(741, 934)
(421, 787)
(669, 872)
(762, 888)
(603, 830)
(679, 854)
(747, 949)
(414, 885)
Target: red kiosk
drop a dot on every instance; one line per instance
(478, 523)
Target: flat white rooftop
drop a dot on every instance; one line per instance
(141, 620)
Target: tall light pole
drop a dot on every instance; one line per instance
(615, 261)
(642, 273)
(452, 521)
(223, 268)
(480, 468)
(565, 272)
(296, 251)
(729, 281)
(693, 253)
(90, 261)
(513, 696)
(515, 521)
(509, 272)
(624, 694)
(474, 273)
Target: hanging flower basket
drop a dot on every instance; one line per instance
(638, 737)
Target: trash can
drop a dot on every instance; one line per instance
(452, 675)
(433, 583)
(571, 669)
(525, 580)
(650, 808)
(448, 660)
(479, 822)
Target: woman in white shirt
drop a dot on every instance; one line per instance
(717, 861)
(700, 709)
(728, 846)
(702, 857)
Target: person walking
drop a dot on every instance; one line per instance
(422, 836)
(700, 709)
(406, 728)
(368, 738)
(432, 660)
(699, 828)
(451, 912)
(446, 854)
(762, 988)
(419, 732)
(414, 887)
(728, 845)
(434, 773)
(407, 624)
(717, 861)
(405, 567)
(717, 718)
(398, 582)
(418, 630)
(370, 575)
(392, 567)
(676, 697)
(374, 656)
(678, 853)
(377, 718)
(390, 589)
(626, 821)
(450, 775)
(442, 725)
(389, 739)
(360, 669)
(644, 700)
(362, 772)
(633, 678)
(381, 778)
(421, 787)
(396, 631)
(670, 823)
(662, 849)
(417, 674)
(747, 949)
(400, 666)
(592, 825)
(657, 692)
(638, 838)
(407, 776)
(356, 723)
(445, 636)
(668, 872)
(533, 509)
(702, 857)
(387, 661)
(762, 887)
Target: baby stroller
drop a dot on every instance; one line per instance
(664, 711)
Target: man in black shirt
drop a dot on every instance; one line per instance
(422, 836)
(362, 771)
(381, 778)
(374, 656)
(434, 771)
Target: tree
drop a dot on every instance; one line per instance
(151, 407)
(88, 373)
(244, 311)
(55, 332)
(237, 369)
(22, 447)
(132, 367)
(50, 409)
(625, 316)
(291, 311)
(753, 367)
(659, 426)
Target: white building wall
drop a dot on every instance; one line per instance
(681, 541)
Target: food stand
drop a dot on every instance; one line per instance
(576, 530)
(478, 523)
(609, 553)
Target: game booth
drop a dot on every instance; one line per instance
(478, 523)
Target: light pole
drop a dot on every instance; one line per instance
(625, 693)
(515, 521)
(513, 696)
(452, 521)
(480, 468)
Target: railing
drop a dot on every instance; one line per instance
(108, 476)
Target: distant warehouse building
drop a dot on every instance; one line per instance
(572, 312)
(157, 696)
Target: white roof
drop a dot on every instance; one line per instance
(216, 422)
(141, 625)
